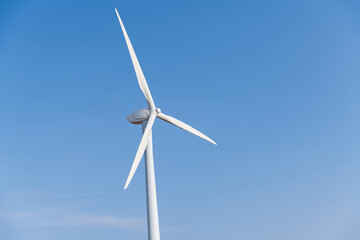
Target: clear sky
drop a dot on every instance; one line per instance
(275, 83)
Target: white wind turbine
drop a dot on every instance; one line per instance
(146, 117)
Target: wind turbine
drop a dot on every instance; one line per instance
(147, 117)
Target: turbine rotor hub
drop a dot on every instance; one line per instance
(155, 110)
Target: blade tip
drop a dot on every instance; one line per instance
(126, 184)
(212, 141)
(116, 11)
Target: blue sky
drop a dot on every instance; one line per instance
(274, 83)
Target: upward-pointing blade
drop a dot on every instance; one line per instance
(184, 126)
(139, 74)
(141, 149)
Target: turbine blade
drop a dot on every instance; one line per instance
(139, 73)
(184, 126)
(141, 149)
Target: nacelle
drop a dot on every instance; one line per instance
(138, 116)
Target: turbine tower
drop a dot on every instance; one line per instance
(147, 117)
